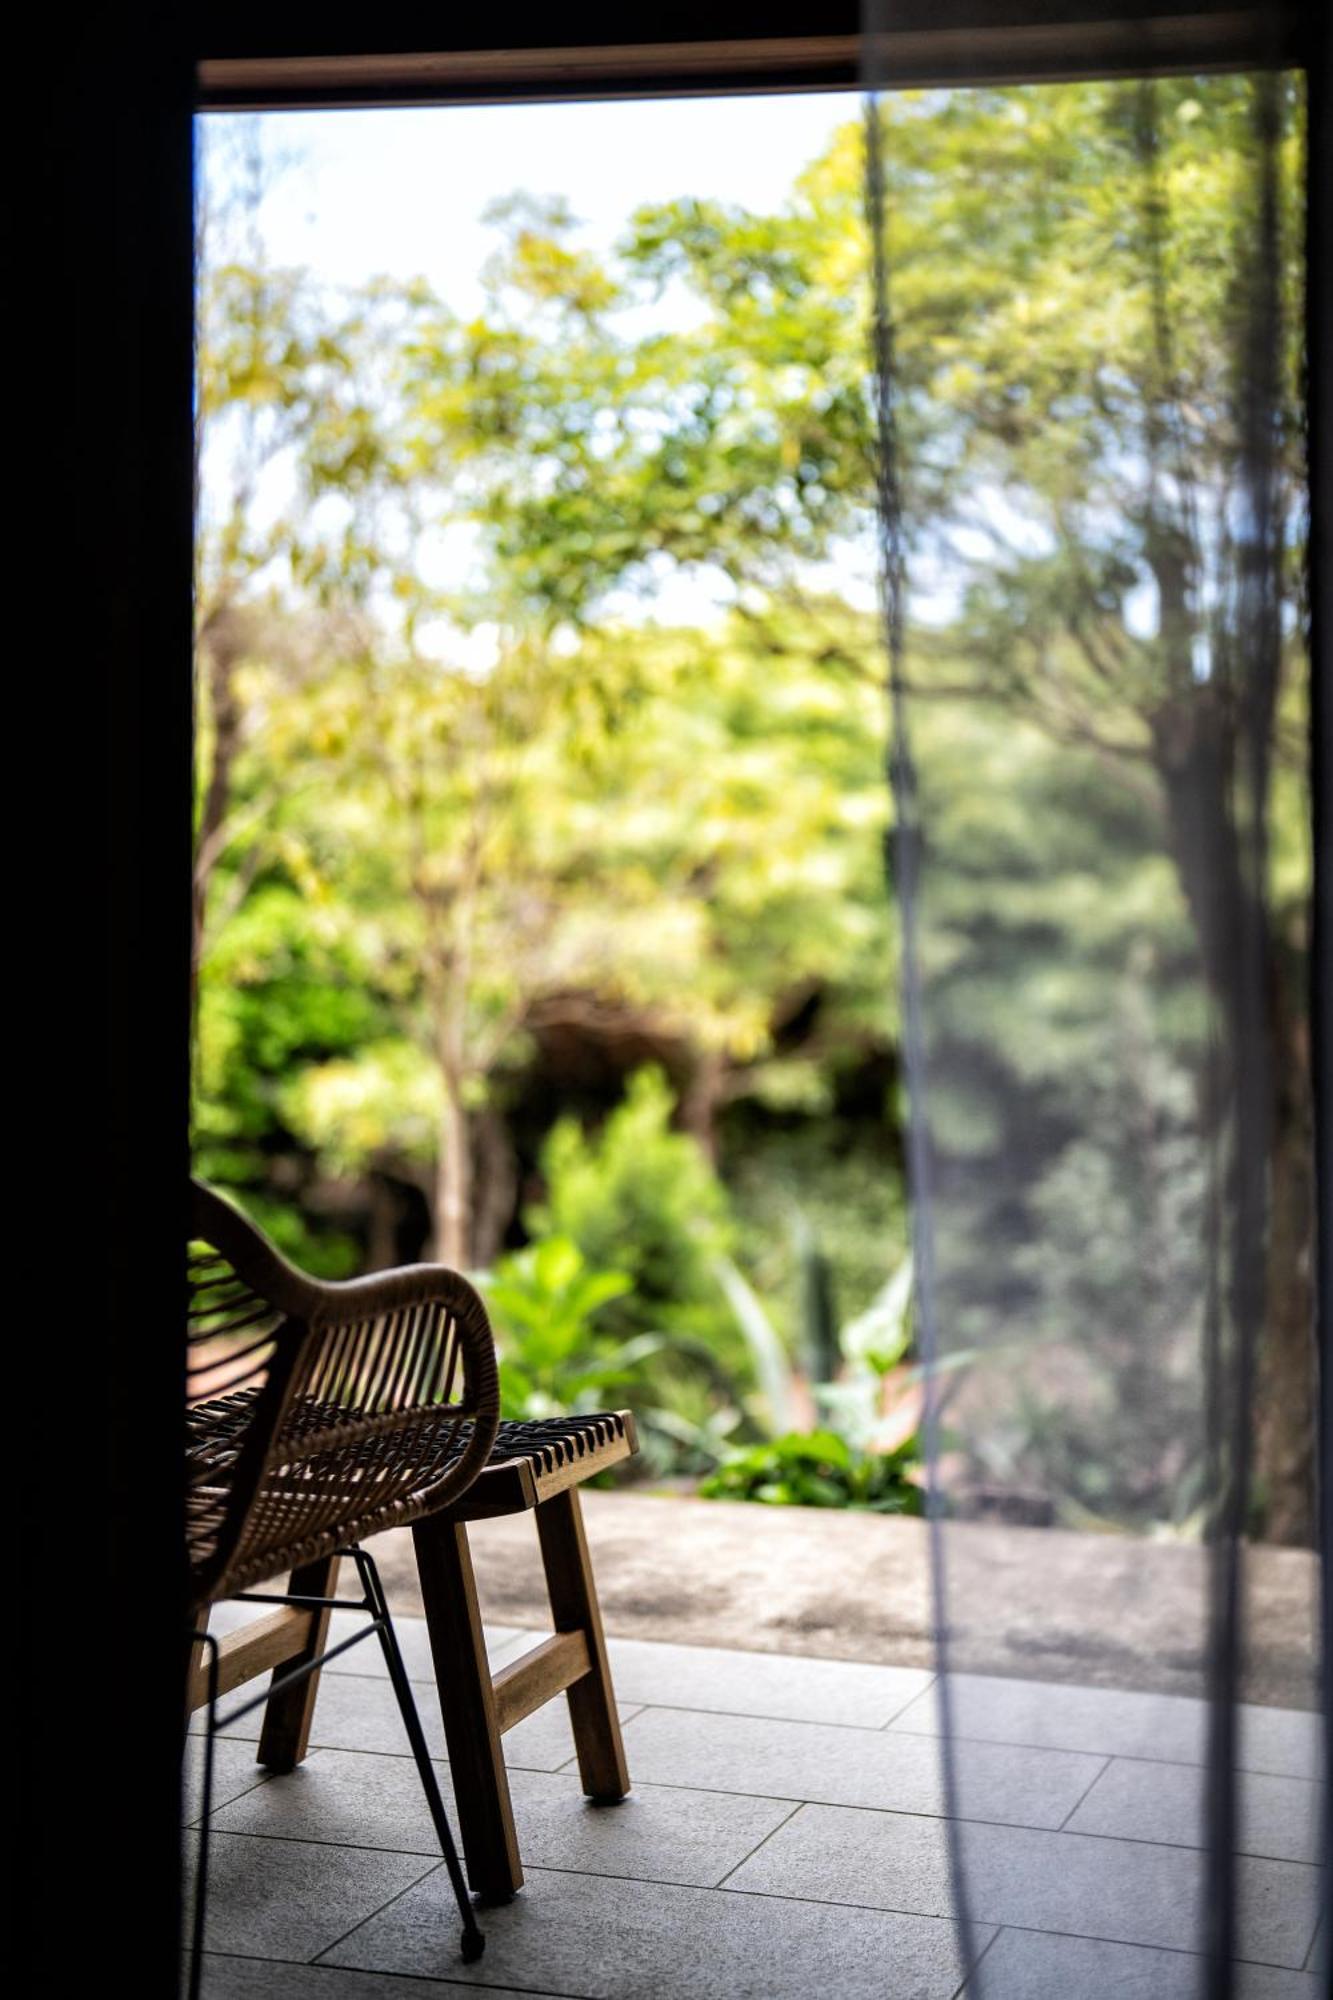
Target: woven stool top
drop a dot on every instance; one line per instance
(529, 1461)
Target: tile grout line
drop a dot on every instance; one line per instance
(1126, 1756)
(1095, 1781)
(786, 1820)
(928, 1916)
(569, 1766)
(911, 1702)
(558, 1770)
(891, 1731)
(976, 1965)
(806, 1902)
(1014, 1826)
(417, 1978)
(379, 1908)
(888, 1729)
(265, 1777)
(947, 1916)
(309, 1839)
(746, 1653)
(432, 1867)
(749, 1714)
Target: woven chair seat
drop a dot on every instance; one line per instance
(330, 1450)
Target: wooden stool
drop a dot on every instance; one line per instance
(535, 1467)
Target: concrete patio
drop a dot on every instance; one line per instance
(784, 1837)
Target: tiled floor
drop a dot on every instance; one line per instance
(784, 1837)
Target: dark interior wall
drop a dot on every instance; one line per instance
(249, 27)
(103, 310)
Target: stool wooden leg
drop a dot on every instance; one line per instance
(463, 1677)
(289, 1713)
(573, 1593)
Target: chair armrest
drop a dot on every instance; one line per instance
(349, 1405)
(385, 1334)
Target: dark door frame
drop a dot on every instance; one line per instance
(99, 1665)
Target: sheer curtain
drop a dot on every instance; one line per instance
(1088, 339)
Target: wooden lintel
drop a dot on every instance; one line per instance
(974, 44)
(547, 1670)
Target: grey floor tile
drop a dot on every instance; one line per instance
(345, 1798)
(293, 1899)
(1028, 1965)
(1102, 1721)
(234, 1772)
(1267, 1982)
(269, 1979)
(544, 1741)
(359, 1712)
(1125, 1891)
(797, 1690)
(1279, 1817)
(614, 1940)
(1025, 1965)
(1286, 1741)
(1113, 1722)
(657, 1834)
(863, 1767)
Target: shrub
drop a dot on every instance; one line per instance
(638, 1197)
(820, 1469)
(553, 1359)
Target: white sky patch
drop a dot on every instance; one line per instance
(473, 650)
(402, 193)
(1143, 610)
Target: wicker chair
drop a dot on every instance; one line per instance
(317, 1414)
(322, 1413)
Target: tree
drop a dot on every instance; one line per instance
(641, 829)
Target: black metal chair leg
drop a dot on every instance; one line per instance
(210, 1644)
(473, 1940)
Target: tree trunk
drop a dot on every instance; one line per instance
(700, 1100)
(496, 1186)
(222, 641)
(1284, 1443)
(1192, 759)
(453, 1180)
(382, 1239)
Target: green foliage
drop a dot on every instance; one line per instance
(869, 1450)
(421, 843)
(829, 1180)
(819, 1469)
(644, 1196)
(543, 1301)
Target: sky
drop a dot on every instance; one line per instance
(402, 192)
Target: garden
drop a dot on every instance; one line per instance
(545, 918)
